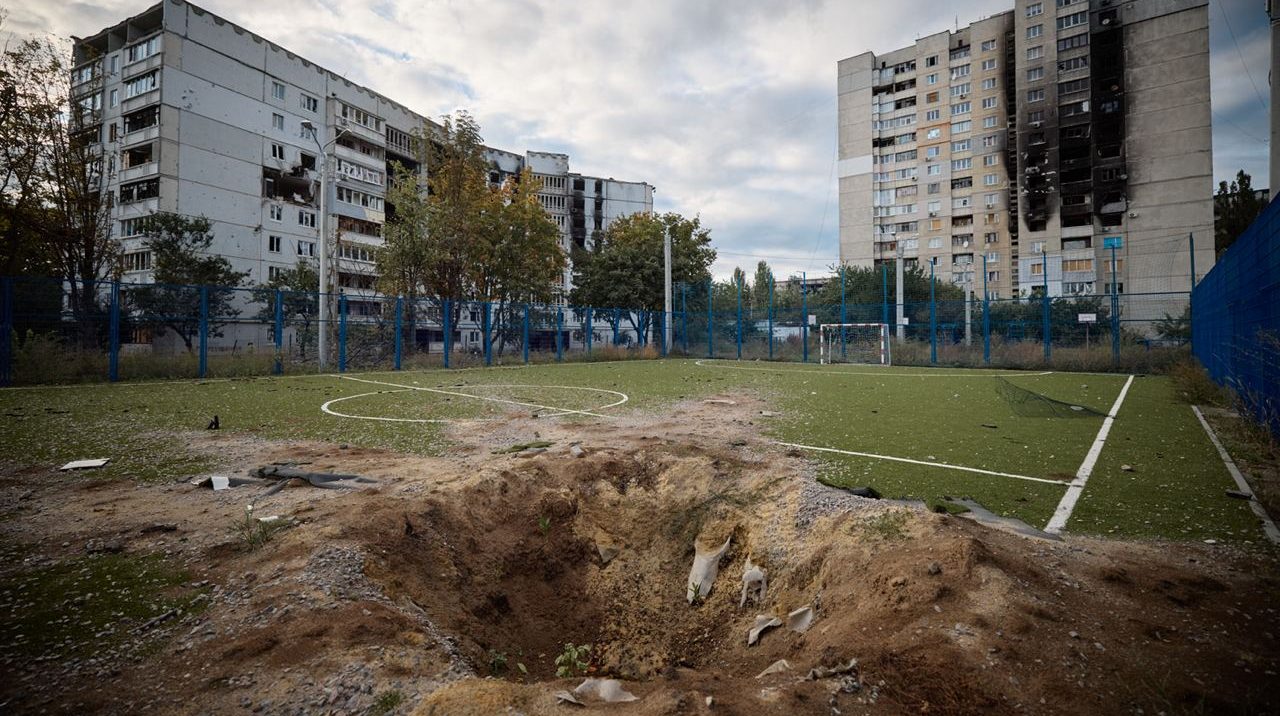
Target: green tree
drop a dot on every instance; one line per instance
(760, 291)
(1176, 328)
(1236, 206)
(179, 246)
(624, 269)
(301, 309)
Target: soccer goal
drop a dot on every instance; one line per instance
(854, 343)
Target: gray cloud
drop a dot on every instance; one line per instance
(728, 108)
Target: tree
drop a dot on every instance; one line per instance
(301, 309)
(1177, 328)
(55, 210)
(1236, 206)
(182, 272)
(624, 269)
(760, 290)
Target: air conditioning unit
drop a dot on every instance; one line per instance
(933, 213)
(1036, 125)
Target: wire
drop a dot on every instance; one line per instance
(1223, 11)
(1238, 128)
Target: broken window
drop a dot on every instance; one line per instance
(286, 187)
(142, 119)
(137, 156)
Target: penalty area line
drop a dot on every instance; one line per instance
(925, 463)
(1068, 504)
(561, 411)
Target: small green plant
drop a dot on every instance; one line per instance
(887, 526)
(521, 447)
(254, 532)
(524, 671)
(497, 662)
(544, 525)
(695, 592)
(573, 660)
(386, 702)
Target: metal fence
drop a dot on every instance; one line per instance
(1236, 318)
(54, 331)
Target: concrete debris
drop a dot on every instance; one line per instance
(531, 452)
(1239, 495)
(935, 569)
(567, 697)
(219, 482)
(754, 584)
(325, 480)
(769, 414)
(576, 450)
(799, 620)
(85, 464)
(607, 553)
(213, 481)
(710, 700)
(763, 623)
(706, 565)
(777, 667)
(826, 672)
(720, 401)
(104, 546)
(609, 691)
(1127, 468)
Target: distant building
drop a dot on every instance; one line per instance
(1036, 131)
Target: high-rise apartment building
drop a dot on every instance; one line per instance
(202, 117)
(1028, 137)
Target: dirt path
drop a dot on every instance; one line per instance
(451, 586)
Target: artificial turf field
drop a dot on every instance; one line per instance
(933, 417)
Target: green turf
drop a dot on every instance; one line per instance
(946, 415)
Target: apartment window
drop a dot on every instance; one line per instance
(273, 244)
(131, 227)
(115, 97)
(1035, 73)
(142, 119)
(140, 190)
(961, 164)
(960, 202)
(989, 102)
(309, 103)
(965, 126)
(935, 206)
(1036, 116)
(1037, 269)
(931, 97)
(277, 90)
(991, 200)
(1075, 19)
(959, 71)
(361, 117)
(142, 50)
(306, 218)
(988, 45)
(137, 156)
(1035, 8)
(989, 83)
(1035, 31)
(277, 121)
(1036, 95)
(113, 64)
(991, 219)
(274, 272)
(277, 151)
(1077, 265)
(1065, 3)
(368, 201)
(988, 64)
(931, 152)
(960, 89)
(1037, 247)
(961, 108)
(933, 115)
(959, 53)
(307, 248)
(141, 85)
(137, 261)
(935, 188)
(1074, 63)
(1070, 43)
(931, 61)
(276, 212)
(990, 122)
(1080, 85)
(933, 133)
(962, 145)
(933, 170)
(991, 179)
(1072, 109)
(1035, 53)
(992, 237)
(931, 78)
(935, 225)
(991, 160)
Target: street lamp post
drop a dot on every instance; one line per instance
(325, 284)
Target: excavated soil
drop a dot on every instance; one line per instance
(451, 586)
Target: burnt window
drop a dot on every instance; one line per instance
(142, 119)
(139, 190)
(308, 161)
(137, 156)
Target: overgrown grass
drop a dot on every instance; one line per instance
(89, 605)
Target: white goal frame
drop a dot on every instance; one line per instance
(828, 341)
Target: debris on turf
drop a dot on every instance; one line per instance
(754, 584)
(1127, 468)
(85, 464)
(799, 620)
(609, 691)
(1239, 495)
(531, 452)
(720, 401)
(706, 565)
(213, 424)
(576, 451)
(777, 667)
(521, 447)
(325, 480)
(763, 623)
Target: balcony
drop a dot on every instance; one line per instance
(141, 67)
(139, 172)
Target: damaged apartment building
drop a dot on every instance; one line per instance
(1026, 139)
(204, 118)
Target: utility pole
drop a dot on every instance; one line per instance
(325, 282)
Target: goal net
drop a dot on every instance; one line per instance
(854, 343)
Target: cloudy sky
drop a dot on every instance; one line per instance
(727, 107)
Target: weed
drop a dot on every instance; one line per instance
(573, 660)
(887, 526)
(386, 702)
(1192, 384)
(253, 532)
(521, 447)
(695, 592)
(497, 662)
(544, 525)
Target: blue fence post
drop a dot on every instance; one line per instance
(884, 293)
(1048, 350)
(342, 333)
(986, 316)
(617, 325)
(711, 351)
(587, 330)
(559, 337)
(739, 318)
(279, 330)
(804, 317)
(770, 315)
(524, 328)
(933, 317)
(204, 331)
(662, 333)
(1115, 310)
(447, 321)
(843, 348)
(399, 330)
(1191, 240)
(684, 317)
(6, 332)
(113, 350)
(487, 330)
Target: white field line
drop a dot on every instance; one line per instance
(326, 409)
(977, 373)
(1068, 504)
(945, 465)
(1268, 526)
(560, 411)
